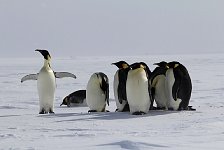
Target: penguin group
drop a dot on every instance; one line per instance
(135, 87)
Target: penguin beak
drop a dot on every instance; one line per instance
(38, 50)
(156, 64)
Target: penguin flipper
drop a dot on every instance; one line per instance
(64, 74)
(176, 85)
(105, 87)
(29, 77)
(122, 85)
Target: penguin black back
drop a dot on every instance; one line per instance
(122, 78)
(105, 84)
(182, 87)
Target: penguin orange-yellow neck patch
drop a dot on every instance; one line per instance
(176, 65)
(124, 66)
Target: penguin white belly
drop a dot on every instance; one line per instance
(95, 97)
(160, 91)
(46, 89)
(169, 87)
(137, 92)
(120, 106)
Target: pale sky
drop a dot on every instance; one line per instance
(111, 27)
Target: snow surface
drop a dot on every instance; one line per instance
(21, 127)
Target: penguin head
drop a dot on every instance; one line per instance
(161, 64)
(145, 67)
(65, 101)
(45, 53)
(121, 64)
(138, 65)
(173, 64)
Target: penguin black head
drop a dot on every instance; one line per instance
(138, 65)
(173, 64)
(121, 64)
(146, 67)
(45, 53)
(161, 64)
(65, 101)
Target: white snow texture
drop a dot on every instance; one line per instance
(21, 126)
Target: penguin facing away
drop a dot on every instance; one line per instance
(46, 83)
(179, 86)
(97, 92)
(137, 87)
(120, 79)
(77, 98)
(157, 81)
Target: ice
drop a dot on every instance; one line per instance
(22, 127)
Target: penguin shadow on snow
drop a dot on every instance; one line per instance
(104, 115)
(126, 144)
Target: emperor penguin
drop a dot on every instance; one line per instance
(77, 98)
(148, 74)
(97, 92)
(137, 88)
(46, 83)
(120, 79)
(179, 86)
(158, 89)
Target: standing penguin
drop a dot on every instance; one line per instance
(137, 87)
(97, 92)
(179, 86)
(120, 79)
(148, 74)
(157, 81)
(46, 83)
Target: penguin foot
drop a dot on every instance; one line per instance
(116, 110)
(161, 108)
(190, 108)
(171, 109)
(92, 111)
(138, 113)
(153, 108)
(42, 111)
(107, 111)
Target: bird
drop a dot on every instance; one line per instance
(137, 88)
(119, 85)
(97, 92)
(157, 81)
(46, 83)
(77, 98)
(179, 86)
